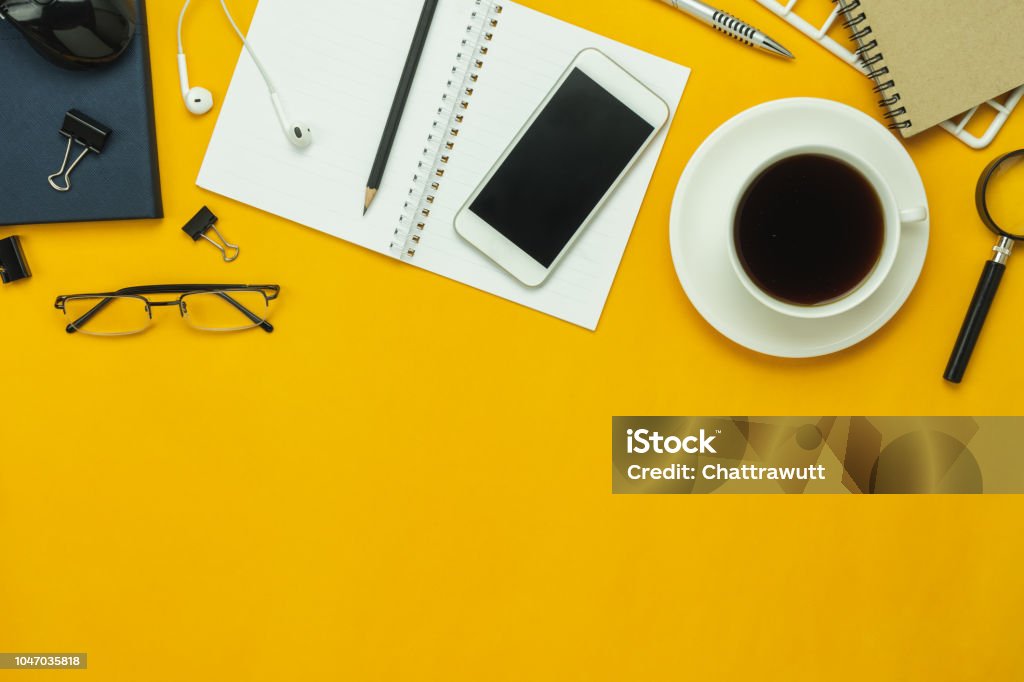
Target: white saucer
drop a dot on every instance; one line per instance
(700, 227)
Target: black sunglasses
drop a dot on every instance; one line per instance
(75, 34)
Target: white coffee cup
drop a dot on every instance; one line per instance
(894, 219)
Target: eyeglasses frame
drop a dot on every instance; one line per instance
(270, 292)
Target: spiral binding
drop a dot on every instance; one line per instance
(873, 61)
(444, 132)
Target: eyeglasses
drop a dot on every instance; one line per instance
(206, 307)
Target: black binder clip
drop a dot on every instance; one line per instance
(13, 265)
(203, 222)
(87, 133)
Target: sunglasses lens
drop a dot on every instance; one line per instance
(77, 34)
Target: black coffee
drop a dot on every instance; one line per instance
(809, 229)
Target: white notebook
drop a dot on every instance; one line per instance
(486, 66)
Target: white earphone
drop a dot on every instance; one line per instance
(200, 100)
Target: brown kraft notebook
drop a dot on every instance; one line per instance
(935, 59)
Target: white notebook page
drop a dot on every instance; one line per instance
(342, 78)
(339, 74)
(529, 52)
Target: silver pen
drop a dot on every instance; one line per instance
(729, 25)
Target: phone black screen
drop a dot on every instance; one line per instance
(561, 168)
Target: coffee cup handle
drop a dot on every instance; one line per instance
(914, 215)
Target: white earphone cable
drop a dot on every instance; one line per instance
(181, 19)
(252, 53)
(231, 20)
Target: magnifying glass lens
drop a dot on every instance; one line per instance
(1004, 196)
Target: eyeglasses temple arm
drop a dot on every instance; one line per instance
(253, 317)
(91, 313)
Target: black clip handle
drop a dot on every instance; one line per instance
(87, 133)
(205, 221)
(13, 265)
(199, 224)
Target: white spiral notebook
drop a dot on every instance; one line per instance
(486, 66)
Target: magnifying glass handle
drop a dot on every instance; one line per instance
(991, 276)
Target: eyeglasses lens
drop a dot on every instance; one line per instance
(225, 311)
(107, 315)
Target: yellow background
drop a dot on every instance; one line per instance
(411, 479)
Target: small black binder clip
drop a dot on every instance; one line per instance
(203, 222)
(13, 265)
(87, 133)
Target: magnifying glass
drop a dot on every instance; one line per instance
(1000, 201)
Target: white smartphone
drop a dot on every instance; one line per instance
(562, 166)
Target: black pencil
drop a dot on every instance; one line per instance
(419, 39)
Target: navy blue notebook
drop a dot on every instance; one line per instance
(120, 184)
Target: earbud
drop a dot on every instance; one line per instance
(197, 100)
(297, 132)
(200, 100)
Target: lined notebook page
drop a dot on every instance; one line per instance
(529, 52)
(340, 73)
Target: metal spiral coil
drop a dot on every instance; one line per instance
(430, 170)
(873, 60)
